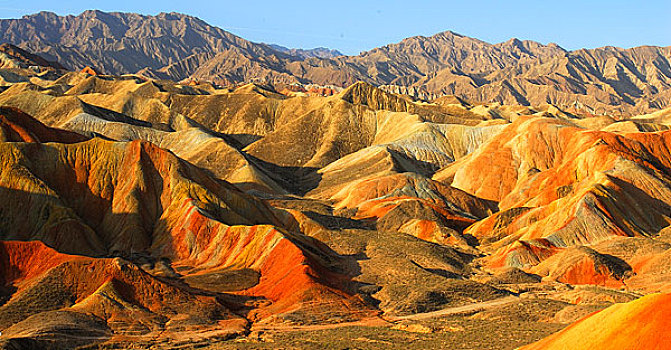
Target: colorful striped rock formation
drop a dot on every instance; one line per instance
(100, 205)
(149, 213)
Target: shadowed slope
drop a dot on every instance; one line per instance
(278, 133)
(102, 198)
(14, 57)
(102, 180)
(16, 126)
(114, 291)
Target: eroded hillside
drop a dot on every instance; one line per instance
(140, 211)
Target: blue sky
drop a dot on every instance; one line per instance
(355, 26)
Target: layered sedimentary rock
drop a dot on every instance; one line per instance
(126, 299)
(17, 126)
(270, 211)
(97, 199)
(558, 186)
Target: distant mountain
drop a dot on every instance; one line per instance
(180, 47)
(14, 57)
(168, 45)
(604, 80)
(320, 52)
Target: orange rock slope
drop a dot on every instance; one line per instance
(640, 324)
(414, 205)
(17, 126)
(558, 185)
(111, 289)
(136, 201)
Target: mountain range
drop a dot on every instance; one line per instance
(180, 47)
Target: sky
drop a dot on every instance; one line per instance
(355, 26)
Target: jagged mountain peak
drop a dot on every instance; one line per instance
(15, 57)
(318, 52)
(183, 48)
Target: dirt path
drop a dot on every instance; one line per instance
(371, 322)
(385, 321)
(457, 309)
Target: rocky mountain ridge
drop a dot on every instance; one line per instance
(174, 46)
(320, 52)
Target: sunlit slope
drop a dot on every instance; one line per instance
(640, 324)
